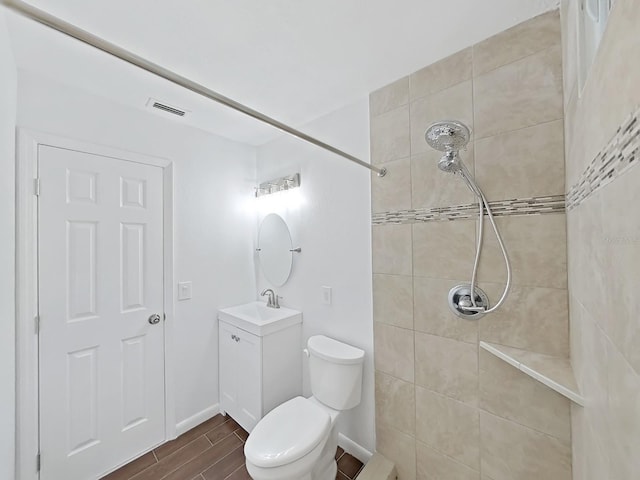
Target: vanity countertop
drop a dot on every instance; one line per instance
(258, 319)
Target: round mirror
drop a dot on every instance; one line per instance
(274, 249)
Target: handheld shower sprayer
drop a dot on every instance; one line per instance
(466, 300)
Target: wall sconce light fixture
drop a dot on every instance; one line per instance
(278, 185)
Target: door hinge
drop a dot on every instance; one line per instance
(36, 320)
(38, 462)
(36, 187)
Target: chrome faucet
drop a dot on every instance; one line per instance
(272, 301)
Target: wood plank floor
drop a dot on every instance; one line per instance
(213, 450)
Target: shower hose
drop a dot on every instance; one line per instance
(484, 205)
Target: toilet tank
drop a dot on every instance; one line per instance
(335, 370)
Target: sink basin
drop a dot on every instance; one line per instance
(257, 318)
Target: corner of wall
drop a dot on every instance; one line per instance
(329, 219)
(8, 99)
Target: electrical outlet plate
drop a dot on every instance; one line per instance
(326, 295)
(185, 290)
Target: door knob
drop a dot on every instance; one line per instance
(153, 319)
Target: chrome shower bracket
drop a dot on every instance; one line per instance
(459, 301)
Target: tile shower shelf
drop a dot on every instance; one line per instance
(554, 372)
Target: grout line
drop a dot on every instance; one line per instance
(211, 444)
(216, 427)
(223, 438)
(539, 432)
(444, 395)
(446, 455)
(475, 76)
(604, 335)
(171, 454)
(506, 132)
(483, 282)
(351, 478)
(415, 362)
(550, 47)
(436, 92)
(411, 179)
(219, 459)
(229, 476)
(188, 462)
(183, 464)
(473, 135)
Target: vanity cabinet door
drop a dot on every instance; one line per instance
(240, 375)
(249, 390)
(228, 368)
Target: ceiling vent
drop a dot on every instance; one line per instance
(163, 106)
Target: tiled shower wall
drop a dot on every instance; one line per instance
(603, 184)
(446, 409)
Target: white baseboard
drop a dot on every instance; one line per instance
(354, 449)
(197, 419)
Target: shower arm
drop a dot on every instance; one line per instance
(72, 31)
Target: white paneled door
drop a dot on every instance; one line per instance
(100, 250)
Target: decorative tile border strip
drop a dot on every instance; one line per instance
(518, 206)
(621, 153)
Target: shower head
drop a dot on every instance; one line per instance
(449, 162)
(447, 136)
(450, 136)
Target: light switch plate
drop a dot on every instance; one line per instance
(326, 295)
(184, 290)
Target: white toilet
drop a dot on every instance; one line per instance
(298, 439)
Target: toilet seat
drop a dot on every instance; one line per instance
(287, 433)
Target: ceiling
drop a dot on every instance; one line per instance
(294, 60)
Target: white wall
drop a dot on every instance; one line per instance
(329, 218)
(215, 226)
(7, 250)
(214, 179)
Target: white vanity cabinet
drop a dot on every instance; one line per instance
(260, 362)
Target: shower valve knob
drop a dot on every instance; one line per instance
(461, 304)
(471, 309)
(465, 302)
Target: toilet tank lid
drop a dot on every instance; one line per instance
(334, 351)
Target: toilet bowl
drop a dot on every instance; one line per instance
(298, 439)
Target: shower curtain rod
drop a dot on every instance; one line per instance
(70, 30)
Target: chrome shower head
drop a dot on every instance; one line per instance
(447, 136)
(449, 162)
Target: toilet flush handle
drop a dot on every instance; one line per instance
(305, 351)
